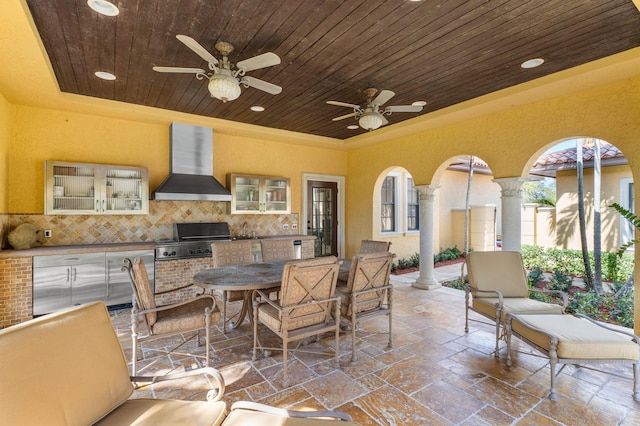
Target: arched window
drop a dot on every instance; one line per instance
(399, 204)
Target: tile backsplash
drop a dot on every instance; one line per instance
(158, 224)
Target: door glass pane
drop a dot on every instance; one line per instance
(321, 221)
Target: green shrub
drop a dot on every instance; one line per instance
(448, 254)
(560, 281)
(457, 284)
(415, 260)
(535, 276)
(570, 261)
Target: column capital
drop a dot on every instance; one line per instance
(427, 192)
(511, 187)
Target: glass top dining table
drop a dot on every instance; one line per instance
(249, 277)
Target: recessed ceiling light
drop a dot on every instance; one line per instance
(353, 127)
(103, 7)
(532, 63)
(419, 103)
(105, 75)
(257, 108)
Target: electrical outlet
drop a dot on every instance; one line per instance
(285, 226)
(294, 226)
(47, 233)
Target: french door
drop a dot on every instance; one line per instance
(322, 216)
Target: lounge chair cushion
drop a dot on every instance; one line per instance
(577, 338)
(141, 412)
(64, 368)
(498, 271)
(515, 305)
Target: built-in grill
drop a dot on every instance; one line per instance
(192, 240)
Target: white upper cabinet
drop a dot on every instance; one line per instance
(253, 194)
(79, 188)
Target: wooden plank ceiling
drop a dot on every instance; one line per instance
(439, 51)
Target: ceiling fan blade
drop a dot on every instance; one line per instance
(179, 70)
(383, 97)
(342, 117)
(261, 85)
(403, 108)
(261, 61)
(344, 104)
(197, 47)
(384, 121)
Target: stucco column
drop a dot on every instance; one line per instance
(511, 212)
(426, 279)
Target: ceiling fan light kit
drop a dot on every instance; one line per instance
(370, 120)
(224, 86)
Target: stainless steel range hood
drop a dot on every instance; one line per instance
(191, 167)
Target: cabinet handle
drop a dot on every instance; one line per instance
(75, 271)
(69, 274)
(97, 206)
(108, 278)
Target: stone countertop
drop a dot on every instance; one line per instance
(281, 237)
(108, 247)
(78, 248)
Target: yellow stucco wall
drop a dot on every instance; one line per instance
(43, 134)
(567, 225)
(5, 139)
(508, 141)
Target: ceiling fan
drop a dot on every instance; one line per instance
(225, 78)
(372, 117)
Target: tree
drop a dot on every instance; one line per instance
(627, 287)
(581, 216)
(472, 160)
(540, 192)
(597, 228)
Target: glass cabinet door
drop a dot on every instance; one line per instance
(245, 194)
(72, 189)
(276, 195)
(124, 191)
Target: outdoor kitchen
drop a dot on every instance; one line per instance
(188, 211)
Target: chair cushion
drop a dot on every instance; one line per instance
(514, 305)
(65, 368)
(498, 270)
(186, 317)
(170, 412)
(577, 338)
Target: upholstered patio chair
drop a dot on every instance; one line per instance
(371, 246)
(498, 286)
(368, 292)
(68, 368)
(195, 314)
(274, 250)
(306, 307)
(229, 253)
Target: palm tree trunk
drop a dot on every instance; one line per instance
(466, 215)
(581, 216)
(597, 228)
